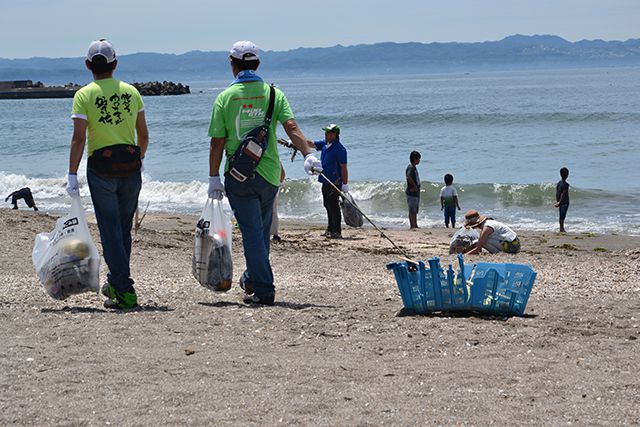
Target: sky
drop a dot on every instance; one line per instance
(64, 28)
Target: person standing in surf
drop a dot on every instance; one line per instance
(562, 197)
(449, 201)
(413, 188)
(108, 115)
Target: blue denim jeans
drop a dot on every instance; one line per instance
(450, 215)
(252, 204)
(115, 201)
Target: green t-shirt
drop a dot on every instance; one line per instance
(110, 108)
(242, 107)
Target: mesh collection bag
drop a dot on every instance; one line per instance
(350, 211)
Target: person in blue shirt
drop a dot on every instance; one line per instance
(334, 168)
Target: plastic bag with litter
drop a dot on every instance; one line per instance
(463, 239)
(66, 259)
(212, 265)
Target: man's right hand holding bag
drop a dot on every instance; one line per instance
(73, 189)
(216, 188)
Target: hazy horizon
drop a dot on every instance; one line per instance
(37, 28)
(335, 45)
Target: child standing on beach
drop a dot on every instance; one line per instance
(449, 201)
(562, 196)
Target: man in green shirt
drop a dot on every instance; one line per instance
(237, 110)
(109, 114)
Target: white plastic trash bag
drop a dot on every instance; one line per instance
(66, 259)
(463, 239)
(212, 265)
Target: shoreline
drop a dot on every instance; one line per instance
(333, 350)
(297, 223)
(588, 240)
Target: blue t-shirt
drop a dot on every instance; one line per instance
(331, 158)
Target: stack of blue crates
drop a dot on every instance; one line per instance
(491, 288)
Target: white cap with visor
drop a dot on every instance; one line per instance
(102, 47)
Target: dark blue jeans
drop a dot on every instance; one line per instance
(115, 201)
(450, 215)
(252, 204)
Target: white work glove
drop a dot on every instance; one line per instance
(72, 185)
(312, 164)
(216, 189)
(345, 188)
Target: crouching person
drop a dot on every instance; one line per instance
(494, 236)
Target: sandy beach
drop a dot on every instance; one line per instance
(333, 350)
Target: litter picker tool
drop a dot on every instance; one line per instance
(342, 194)
(404, 253)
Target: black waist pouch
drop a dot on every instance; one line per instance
(118, 161)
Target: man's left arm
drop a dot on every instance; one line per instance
(142, 132)
(297, 137)
(216, 151)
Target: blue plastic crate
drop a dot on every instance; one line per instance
(429, 290)
(502, 289)
(492, 288)
(410, 279)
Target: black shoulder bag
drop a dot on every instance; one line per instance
(243, 163)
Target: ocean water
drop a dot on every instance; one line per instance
(504, 136)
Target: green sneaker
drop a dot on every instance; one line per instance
(121, 300)
(108, 290)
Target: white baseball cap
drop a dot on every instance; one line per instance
(102, 47)
(244, 50)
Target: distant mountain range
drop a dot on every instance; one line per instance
(511, 53)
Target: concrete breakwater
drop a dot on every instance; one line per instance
(164, 88)
(26, 89)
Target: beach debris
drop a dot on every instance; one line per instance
(189, 352)
(463, 239)
(66, 259)
(212, 265)
(566, 246)
(138, 222)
